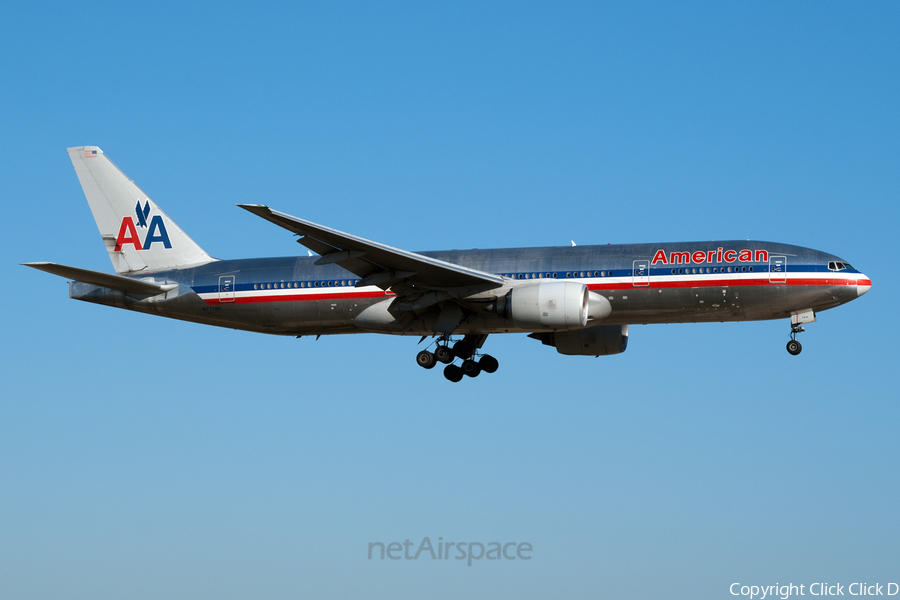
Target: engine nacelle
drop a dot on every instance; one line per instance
(593, 341)
(549, 305)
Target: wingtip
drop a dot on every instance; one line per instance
(253, 207)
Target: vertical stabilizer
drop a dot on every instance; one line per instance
(138, 235)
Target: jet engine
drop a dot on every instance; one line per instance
(546, 305)
(593, 341)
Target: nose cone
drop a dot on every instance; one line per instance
(863, 285)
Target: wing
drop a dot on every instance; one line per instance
(378, 264)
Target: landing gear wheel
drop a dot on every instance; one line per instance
(463, 349)
(488, 363)
(453, 373)
(470, 368)
(794, 347)
(425, 359)
(444, 354)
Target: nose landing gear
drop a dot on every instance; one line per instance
(793, 346)
(467, 350)
(797, 319)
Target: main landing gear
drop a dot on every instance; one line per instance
(466, 350)
(794, 346)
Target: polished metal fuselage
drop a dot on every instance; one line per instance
(643, 283)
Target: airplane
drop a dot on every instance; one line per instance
(578, 299)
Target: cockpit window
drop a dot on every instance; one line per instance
(836, 265)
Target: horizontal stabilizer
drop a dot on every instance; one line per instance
(113, 282)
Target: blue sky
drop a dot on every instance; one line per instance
(145, 458)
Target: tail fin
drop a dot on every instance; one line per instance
(138, 235)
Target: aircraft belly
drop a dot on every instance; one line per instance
(720, 303)
(285, 318)
(649, 305)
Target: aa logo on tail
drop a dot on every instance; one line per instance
(156, 230)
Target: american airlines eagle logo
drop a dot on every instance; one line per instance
(142, 213)
(156, 230)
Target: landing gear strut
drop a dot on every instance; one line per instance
(466, 349)
(793, 346)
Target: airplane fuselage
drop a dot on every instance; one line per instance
(691, 282)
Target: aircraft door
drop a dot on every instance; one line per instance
(641, 273)
(226, 288)
(777, 269)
